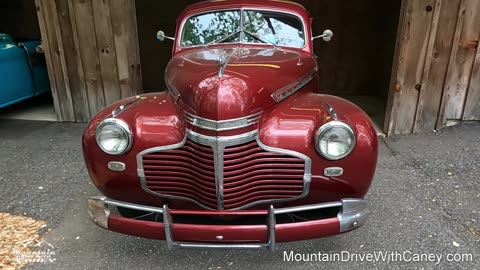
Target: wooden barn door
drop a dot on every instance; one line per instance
(436, 71)
(91, 47)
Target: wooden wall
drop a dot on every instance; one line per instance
(436, 74)
(91, 47)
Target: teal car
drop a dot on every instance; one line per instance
(23, 70)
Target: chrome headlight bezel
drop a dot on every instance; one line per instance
(123, 126)
(327, 127)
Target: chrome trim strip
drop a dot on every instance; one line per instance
(331, 111)
(116, 112)
(218, 150)
(219, 246)
(353, 214)
(222, 125)
(132, 206)
(226, 141)
(218, 145)
(294, 87)
(347, 203)
(172, 89)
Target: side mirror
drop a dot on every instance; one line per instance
(39, 49)
(326, 36)
(161, 36)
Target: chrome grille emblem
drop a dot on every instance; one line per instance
(222, 125)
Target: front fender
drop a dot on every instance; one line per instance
(293, 124)
(154, 121)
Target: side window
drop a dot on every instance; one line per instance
(209, 27)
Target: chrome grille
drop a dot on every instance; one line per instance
(252, 175)
(222, 174)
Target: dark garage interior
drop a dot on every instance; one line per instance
(356, 64)
(19, 20)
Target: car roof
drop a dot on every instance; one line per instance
(236, 4)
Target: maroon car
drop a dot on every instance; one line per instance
(241, 151)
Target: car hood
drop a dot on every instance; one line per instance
(228, 83)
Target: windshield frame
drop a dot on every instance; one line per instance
(291, 13)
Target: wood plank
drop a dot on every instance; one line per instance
(472, 106)
(126, 46)
(70, 60)
(398, 67)
(106, 50)
(439, 52)
(41, 12)
(86, 43)
(136, 71)
(410, 74)
(66, 102)
(428, 64)
(54, 52)
(461, 63)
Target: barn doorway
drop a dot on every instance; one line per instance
(25, 90)
(356, 65)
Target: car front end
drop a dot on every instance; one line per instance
(240, 152)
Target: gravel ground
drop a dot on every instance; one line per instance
(425, 199)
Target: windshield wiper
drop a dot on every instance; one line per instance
(220, 40)
(257, 37)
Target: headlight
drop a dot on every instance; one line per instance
(114, 136)
(335, 140)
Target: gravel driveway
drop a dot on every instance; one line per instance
(425, 200)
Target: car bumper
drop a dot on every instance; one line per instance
(353, 214)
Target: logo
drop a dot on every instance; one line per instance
(35, 251)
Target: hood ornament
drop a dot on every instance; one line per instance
(223, 60)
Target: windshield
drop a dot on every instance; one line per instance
(258, 27)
